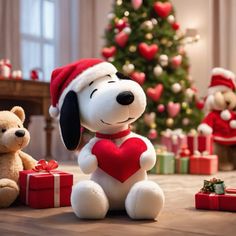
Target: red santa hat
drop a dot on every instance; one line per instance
(75, 77)
(221, 80)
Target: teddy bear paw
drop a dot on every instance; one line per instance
(9, 191)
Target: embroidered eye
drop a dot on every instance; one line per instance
(93, 93)
(18, 126)
(111, 81)
(4, 130)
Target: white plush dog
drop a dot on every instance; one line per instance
(93, 93)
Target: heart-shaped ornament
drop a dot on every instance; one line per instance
(155, 93)
(176, 61)
(136, 4)
(109, 51)
(121, 24)
(139, 77)
(162, 9)
(121, 39)
(119, 162)
(173, 109)
(149, 118)
(148, 51)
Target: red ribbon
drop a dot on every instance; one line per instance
(47, 166)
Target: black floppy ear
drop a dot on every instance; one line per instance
(122, 76)
(70, 121)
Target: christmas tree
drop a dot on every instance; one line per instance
(143, 40)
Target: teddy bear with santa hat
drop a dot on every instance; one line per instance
(221, 118)
(93, 94)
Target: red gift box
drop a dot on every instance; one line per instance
(203, 164)
(212, 201)
(45, 189)
(200, 143)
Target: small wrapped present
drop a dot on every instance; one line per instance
(203, 163)
(182, 161)
(198, 142)
(165, 162)
(214, 196)
(45, 187)
(173, 140)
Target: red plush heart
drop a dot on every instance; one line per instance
(162, 9)
(155, 93)
(148, 51)
(119, 162)
(139, 77)
(109, 51)
(121, 38)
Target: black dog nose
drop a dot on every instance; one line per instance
(125, 98)
(20, 133)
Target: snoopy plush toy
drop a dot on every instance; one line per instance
(93, 94)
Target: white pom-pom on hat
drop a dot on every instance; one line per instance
(53, 111)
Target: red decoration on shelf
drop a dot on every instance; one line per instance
(121, 39)
(162, 9)
(175, 26)
(155, 93)
(139, 77)
(173, 109)
(34, 75)
(148, 51)
(109, 51)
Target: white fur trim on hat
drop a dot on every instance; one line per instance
(95, 72)
(232, 124)
(226, 73)
(205, 129)
(225, 115)
(218, 88)
(53, 111)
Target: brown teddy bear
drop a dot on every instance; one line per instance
(221, 119)
(13, 137)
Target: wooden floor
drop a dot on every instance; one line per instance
(178, 218)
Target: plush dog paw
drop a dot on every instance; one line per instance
(89, 201)
(88, 164)
(147, 160)
(145, 200)
(9, 191)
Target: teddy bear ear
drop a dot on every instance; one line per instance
(19, 111)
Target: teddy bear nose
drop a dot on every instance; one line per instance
(125, 98)
(20, 133)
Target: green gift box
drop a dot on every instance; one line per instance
(182, 165)
(165, 163)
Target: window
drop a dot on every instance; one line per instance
(38, 40)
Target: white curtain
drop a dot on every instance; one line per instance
(10, 35)
(227, 34)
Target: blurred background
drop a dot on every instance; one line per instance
(44, 34)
